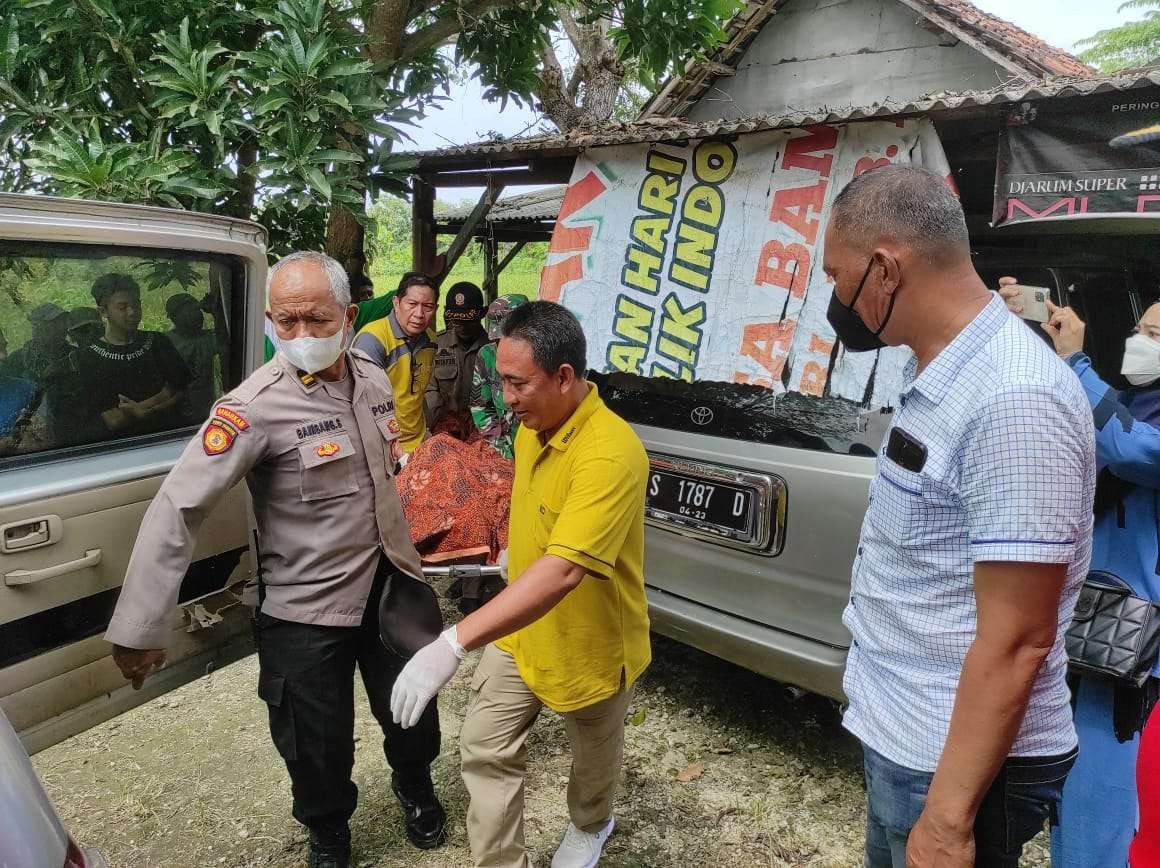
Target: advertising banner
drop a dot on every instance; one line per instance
(1067, 159)
(702, 261)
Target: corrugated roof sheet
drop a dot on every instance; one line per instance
(542, 204)
(659, 129)
(1020, 51)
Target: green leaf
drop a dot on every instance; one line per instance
(270, 103)
(346, 67)
(334, 155)
(297, 51)
(338, 99)
(213, 122)
(318, 181)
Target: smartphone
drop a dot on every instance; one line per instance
(1034, 300)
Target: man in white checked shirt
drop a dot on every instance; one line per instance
(975, 543)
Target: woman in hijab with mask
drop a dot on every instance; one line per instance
(1098, 814)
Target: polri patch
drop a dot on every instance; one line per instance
(217, 438)
(327, 449)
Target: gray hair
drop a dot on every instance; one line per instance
(335, 273)
(907, 204)
(553, 333)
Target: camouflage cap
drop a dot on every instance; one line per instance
(498, 310)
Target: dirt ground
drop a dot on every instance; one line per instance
(191, 779)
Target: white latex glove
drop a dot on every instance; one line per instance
(424, 676)
(502, 562)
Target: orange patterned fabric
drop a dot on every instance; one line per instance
(456, 497)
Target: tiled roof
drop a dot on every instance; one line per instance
(661, 129)
(1022, 48)
(1021, 53)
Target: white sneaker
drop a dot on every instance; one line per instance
(581, 849)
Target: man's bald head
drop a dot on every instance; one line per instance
(308, 295)
(907, 206)
(307, 271)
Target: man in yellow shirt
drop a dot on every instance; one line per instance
(573, 622)
(403, 345)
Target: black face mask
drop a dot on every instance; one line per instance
(850, 328)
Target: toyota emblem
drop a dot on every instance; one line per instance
(701, 415)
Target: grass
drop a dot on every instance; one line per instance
(526, 282)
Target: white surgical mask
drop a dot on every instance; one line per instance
(1141, 360)
(314, 354)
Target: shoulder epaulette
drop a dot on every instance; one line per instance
(257, 382)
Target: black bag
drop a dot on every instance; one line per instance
(1114, 635)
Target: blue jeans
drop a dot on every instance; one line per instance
(1024, 796)
(1097, 817)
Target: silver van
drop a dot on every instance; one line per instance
(756, 502)
(75, 479)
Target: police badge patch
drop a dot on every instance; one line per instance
(217, 438)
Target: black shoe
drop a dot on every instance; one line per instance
(329, 850)
(328, 857)
(423, 816)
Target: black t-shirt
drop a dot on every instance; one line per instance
(137, 370)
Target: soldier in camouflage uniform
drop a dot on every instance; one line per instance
(491, 415)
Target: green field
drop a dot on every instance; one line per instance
(526, 282)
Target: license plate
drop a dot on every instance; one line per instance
(708, 505)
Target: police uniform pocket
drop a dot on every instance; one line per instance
(272, 691)
(327, 468)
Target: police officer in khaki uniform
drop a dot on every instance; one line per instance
(314, 434)
(449, 393)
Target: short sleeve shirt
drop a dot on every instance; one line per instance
(408, 362)
(137, 370)
(1009, 475)
(580, 497)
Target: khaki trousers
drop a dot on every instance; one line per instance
(500, 715)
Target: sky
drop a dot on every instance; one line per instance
(467, 117)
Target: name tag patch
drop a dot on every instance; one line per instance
(322, 426)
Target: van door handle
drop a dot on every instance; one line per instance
(27, 577)
(32, 533)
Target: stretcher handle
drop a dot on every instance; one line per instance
(462, 571)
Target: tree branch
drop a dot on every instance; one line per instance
(434, 35)
(126, 54)
(385, 30)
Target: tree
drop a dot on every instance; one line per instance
(213, 106)
(1136, 43)
(591, 60)
(287, 111)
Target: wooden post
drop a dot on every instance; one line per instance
(492, 271)
(468, 230)
(491, 268)
(422, 226)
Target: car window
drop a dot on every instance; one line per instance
(1103, 297)
(103, 346)
(1103, 300)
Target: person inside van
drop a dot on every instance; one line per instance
(1098, 814)
(128, 381)
(199, 350)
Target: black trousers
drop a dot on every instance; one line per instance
(307, 681)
